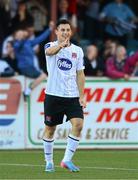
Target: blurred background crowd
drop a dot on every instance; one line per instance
(106, 30)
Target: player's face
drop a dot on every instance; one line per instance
(63, 32)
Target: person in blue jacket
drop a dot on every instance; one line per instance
(120, 20)
(25, 54)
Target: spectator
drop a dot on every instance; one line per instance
(10, 56)
(24, 54)
(91, 22)
(4, 45)
(121, 66)
(39, 12)
(93, 64)
(22, 18)
(119, 20)
(5, 69)
(31, 35)
(4, 22)
(109, 48)
(11, 6)
(81, 10)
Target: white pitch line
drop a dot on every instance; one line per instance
(39, 152)
(85, 167)
(93, 151)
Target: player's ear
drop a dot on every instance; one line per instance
(71, 34)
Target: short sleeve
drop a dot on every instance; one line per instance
(47, 45)
(80, 64)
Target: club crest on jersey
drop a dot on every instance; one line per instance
(74, 55)
(64, 64)
(48, 118)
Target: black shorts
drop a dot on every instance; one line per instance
(56, 107)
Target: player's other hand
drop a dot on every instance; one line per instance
(82, 102)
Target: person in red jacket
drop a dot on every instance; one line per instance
(121, 66)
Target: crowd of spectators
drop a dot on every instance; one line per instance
(103, 29)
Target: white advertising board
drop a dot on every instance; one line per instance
(12, 113)
(111, 116)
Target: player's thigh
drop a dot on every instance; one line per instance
(53, 111)
(52, 105)
(74, 109)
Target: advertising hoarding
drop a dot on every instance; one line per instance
(12, 114)
(111, 116)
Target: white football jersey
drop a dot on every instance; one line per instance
(62, 70)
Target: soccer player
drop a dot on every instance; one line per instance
(64, 94)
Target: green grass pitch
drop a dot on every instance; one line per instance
(94, 164)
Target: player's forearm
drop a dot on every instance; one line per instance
(53, 50)
(81, 83)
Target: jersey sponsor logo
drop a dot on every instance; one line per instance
(64, 64)
(10, 93)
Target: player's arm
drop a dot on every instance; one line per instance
(53, 50)
(81, 83)
(50, 51)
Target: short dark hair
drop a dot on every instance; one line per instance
(22, 2)
(62, 21)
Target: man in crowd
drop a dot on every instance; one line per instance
(121, 66)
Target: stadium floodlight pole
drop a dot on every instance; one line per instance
(53, 16)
